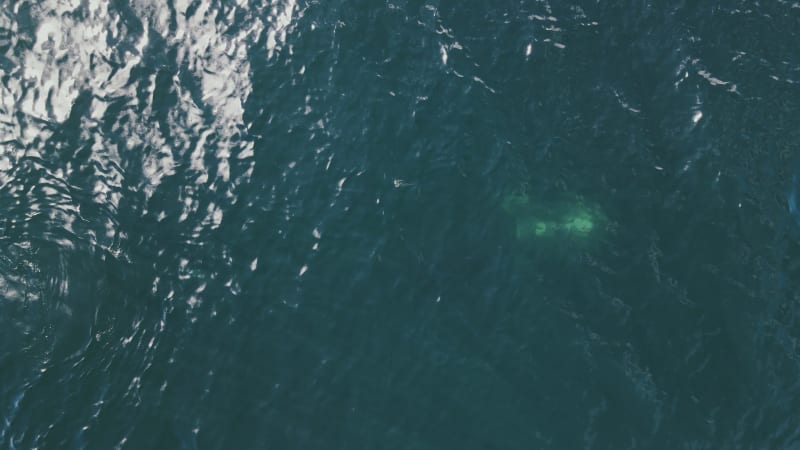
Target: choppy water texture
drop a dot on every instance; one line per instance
(279, 224)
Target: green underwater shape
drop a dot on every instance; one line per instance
(537, 220)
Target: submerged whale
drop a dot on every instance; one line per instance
(538, 219)
(792, 200)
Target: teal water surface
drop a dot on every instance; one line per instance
(280, 224)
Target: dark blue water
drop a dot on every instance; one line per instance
(278, 224)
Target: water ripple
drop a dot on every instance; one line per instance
(112, 114)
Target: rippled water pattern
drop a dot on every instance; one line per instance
(277, 224)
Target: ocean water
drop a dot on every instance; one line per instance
(278, 224)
